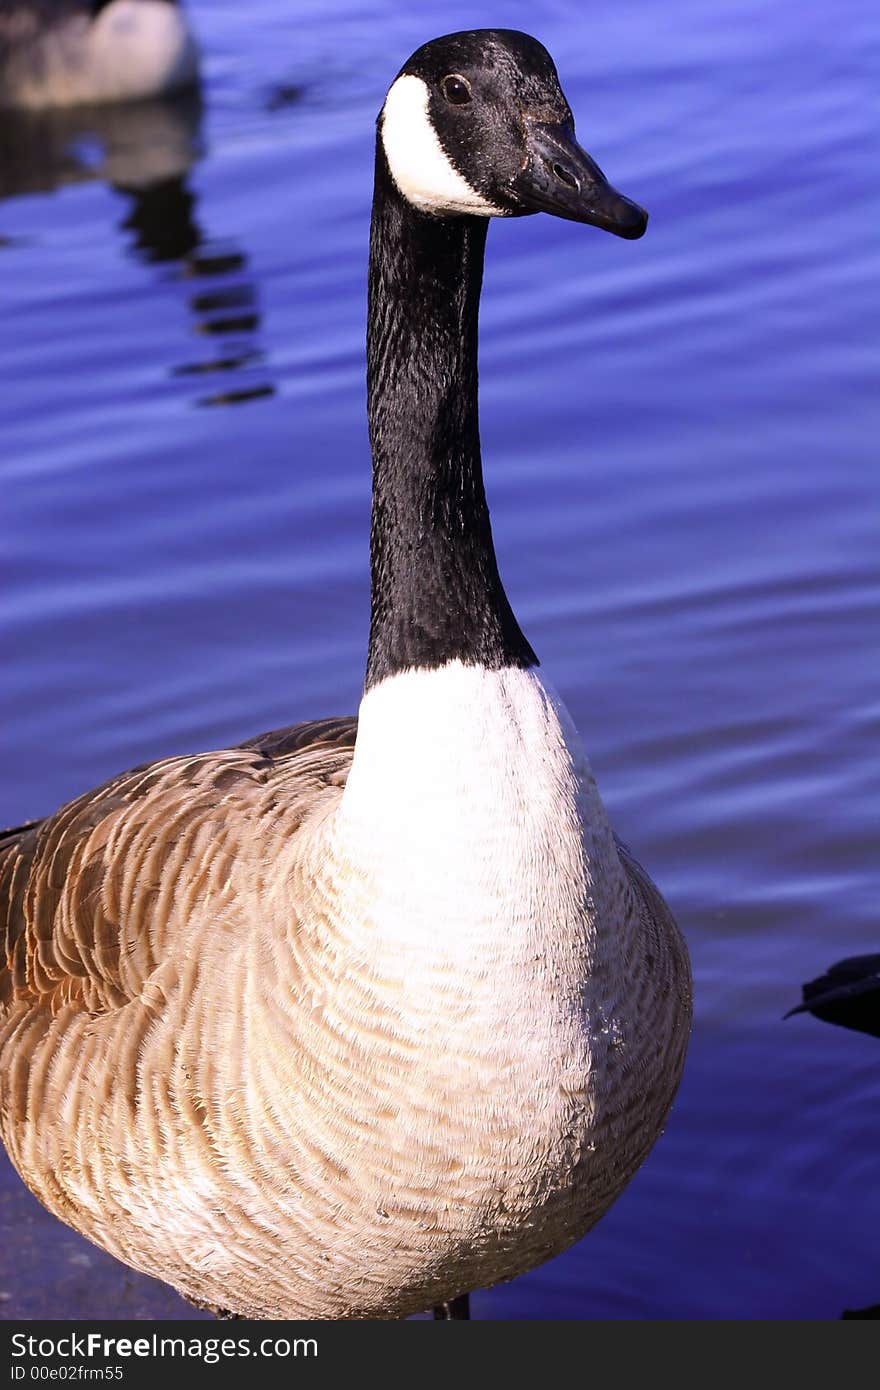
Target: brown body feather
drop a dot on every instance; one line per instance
(81, 892)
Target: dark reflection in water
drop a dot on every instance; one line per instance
(227, 314)
(145, 152)
(162, 220)
(135, 148)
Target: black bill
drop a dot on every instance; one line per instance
(562, 179)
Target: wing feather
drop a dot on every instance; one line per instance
(86, 895)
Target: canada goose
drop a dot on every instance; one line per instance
(847, 994)
(367, 1012)
(70, 52)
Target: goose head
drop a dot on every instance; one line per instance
(476, 124)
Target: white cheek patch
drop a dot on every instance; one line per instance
(419, 165)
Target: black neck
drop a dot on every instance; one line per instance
(436, 592)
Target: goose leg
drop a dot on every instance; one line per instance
(455, 1308)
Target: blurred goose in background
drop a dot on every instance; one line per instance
(368, 1012)
(848, 994)
(75, 52)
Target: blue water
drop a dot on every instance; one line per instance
(680, 438)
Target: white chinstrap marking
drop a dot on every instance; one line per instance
(420, 167)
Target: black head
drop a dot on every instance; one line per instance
(476, 123)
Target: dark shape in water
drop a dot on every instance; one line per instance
(284, 94)
(849, 995)
(229, 324)
(231, 363)
(234, 297)
(239, 397)
(215, 262)
(162, 220)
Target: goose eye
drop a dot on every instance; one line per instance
(457, 90)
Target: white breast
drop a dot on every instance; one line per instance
(470, 806)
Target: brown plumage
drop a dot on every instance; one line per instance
(79, 891)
